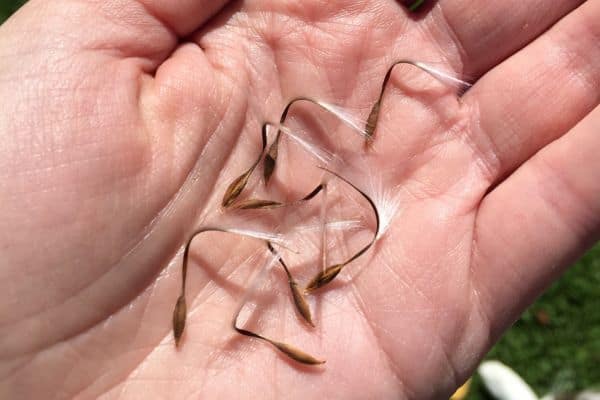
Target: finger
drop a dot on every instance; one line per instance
(184, 16)
(538, 94)
(486, 32)
(144, 29)
(537, 222)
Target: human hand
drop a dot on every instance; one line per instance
(119, 138)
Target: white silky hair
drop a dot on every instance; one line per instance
(356, 123)
(272, 237)
(317, 152)
(341, 225)
(442, 76)
(386, 200)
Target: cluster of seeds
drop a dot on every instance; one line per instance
(268, 155)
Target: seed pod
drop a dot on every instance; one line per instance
(300, 303)
(292, 352)
(180, 311)
(323, 277)
(326, 276)
(297, 295)
(371, 124)
(179, 316)
(236, 187)
(372, 120)
(296, 354)
(256, 204)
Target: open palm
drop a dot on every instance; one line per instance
(119, 139)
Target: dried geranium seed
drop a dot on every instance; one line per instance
(300, 303)
(256, 204)
(296, 354)
(298, 297)
(235, 188)
(372, 120)
(179, 316)
(323, 277)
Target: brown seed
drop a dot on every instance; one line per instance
(300, 303)
(272, 153)
(236, 187)
(323, 277)
(326, 276)
(179, 316)
(372, 120)
(296, 354)
(180, 311)
(314, 192)
(297, 296)
(256, 204)
(292, 352)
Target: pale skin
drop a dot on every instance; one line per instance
(116, 137)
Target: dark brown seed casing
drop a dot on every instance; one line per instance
(235, 188)
(324, 277)
(179, 315)
(256, 204)
(372, 120)
(296, 354)
(301, 304)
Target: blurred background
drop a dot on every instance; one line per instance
(7, 7)
(555, 345)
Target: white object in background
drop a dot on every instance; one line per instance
(504, 383)
(586, 395)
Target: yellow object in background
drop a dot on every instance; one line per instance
(462, 391)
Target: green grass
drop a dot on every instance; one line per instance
(7, 7)
(563, 355)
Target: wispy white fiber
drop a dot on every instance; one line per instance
(346, 117)
(340, 225)
(255, 280)
(442, 76)
(275, 238)
(386, 200)
(319, 153)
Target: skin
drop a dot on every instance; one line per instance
(123, 122)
